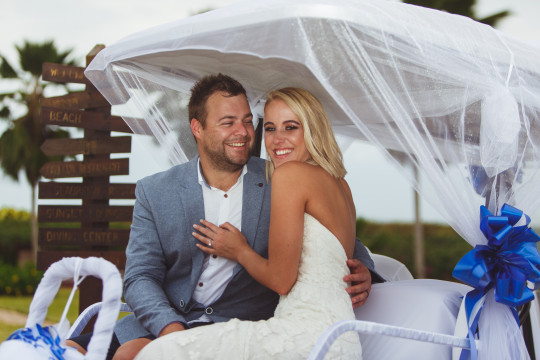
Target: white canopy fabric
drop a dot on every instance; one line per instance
(458, 99)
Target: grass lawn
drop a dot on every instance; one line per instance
(6, 330)
(22, 304)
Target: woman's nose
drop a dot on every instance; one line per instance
(278, 136)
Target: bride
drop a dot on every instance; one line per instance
(312, 234)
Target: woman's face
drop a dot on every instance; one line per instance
(283, 134)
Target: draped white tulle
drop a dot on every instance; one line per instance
(457, 98)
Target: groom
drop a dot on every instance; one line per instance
(169, 283)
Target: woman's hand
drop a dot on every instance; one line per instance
(225, 240)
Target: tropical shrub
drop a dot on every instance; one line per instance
(17, 281)
(14, 234)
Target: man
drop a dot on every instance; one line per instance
(169, 283)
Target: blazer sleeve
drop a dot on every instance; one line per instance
(362, 254)
(146, 270)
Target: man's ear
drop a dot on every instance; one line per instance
(196, 128)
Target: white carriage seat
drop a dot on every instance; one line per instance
(390, 269)
(422, 304)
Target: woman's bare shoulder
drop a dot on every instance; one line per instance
(295, 170)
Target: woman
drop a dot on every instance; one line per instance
(312, 233)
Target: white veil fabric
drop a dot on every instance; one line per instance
(457, 98)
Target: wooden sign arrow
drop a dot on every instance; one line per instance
(90, 213)
(83, 119)
(60, 73)
(120, 144)
(91, 168)
(61, 190)
(92, 237)
(78, 100)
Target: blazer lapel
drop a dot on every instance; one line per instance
(193, 204)
(252, 201)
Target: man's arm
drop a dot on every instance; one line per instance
(173, 327)
(146, 270)
(362, 275)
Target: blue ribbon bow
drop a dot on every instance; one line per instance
(40, 337)
(506, 263)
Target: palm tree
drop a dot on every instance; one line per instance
(20, 142)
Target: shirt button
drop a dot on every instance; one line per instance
(260, 184)
(226, 196)
(201, 284)
(214, 256)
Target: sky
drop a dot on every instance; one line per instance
(82, 24)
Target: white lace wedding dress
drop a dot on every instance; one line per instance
(317, 300)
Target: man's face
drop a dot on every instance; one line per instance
(228, 137)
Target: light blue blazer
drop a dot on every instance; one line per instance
(163, 264)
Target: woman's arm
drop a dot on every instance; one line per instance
(279, 271)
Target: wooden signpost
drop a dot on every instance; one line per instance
(83, 230)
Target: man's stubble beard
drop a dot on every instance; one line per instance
(222, 161)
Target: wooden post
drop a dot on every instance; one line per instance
(419, 251)
(93, 236)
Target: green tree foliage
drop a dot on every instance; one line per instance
(20, 107)
(14, 234)
(461, 7)
(443, 247)
(19, 281)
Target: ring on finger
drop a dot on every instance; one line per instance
(210, 243)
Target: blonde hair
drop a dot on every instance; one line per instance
(318, 135)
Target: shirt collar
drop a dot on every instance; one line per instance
(202, 180)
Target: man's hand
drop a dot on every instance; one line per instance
(360, 279)
(172, 327)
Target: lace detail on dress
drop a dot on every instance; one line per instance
(317, 300)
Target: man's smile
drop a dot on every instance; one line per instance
(237, 144)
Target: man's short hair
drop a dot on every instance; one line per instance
(204, 88)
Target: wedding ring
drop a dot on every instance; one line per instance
(210, 243)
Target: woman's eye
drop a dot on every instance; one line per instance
(269, 128)
(291, 127)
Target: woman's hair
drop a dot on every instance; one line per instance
(318, 135)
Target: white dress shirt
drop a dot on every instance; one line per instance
(219, 207)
